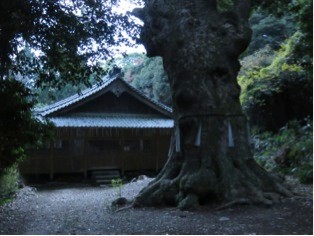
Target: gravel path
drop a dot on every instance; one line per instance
(85, 210)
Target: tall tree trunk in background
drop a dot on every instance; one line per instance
(209, 156)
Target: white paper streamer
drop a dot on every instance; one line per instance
(198, 135)
(178, 141)
(171, 148)
(248, 132)
(230, 136)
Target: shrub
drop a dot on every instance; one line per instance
(276, 86)
(19, 128)
(9, 182)
(290, 151)
(117, 184)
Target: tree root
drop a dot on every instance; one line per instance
(159, 193)
(239, 201)
(125, 208)
(266, 199)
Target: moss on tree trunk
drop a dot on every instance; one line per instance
(209, 156)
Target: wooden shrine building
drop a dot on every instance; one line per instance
(109, 126)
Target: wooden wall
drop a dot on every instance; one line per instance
(110, 103)
(77, 150)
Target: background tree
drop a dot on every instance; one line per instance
(270, 30)
(280, 90)
(49, 44)
(70, 36)
(147, 75)
(18, 128)
(200, 43)
(301, 12)
(277, 90)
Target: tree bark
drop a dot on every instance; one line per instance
(209, 157)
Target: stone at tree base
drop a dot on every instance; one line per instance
(119, 202)
(209, 156)
(189, 202)
(224, 218)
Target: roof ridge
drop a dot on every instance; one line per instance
(106, 81)
(165, 107)
(127, 115)
(116, 122)
(75, 97)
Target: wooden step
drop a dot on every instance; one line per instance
(103, 177)
(105, 173)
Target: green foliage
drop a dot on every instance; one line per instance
(49, 95)
(49, 44)
(147, 75)
(253, 62)
(290, 151)
(117, 184)
(9, 182)
(301, 12)
(153, 80)
(224, 5)
(5, 201)
(276, 82)
(18, 126)
(63, 34)
(269, 30)
(274, 93)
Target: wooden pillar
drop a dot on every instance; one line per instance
(157, 141)
(84, 158)
(51, 173)
(123, 160)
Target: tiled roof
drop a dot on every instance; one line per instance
(47, 110)
(113, 122)
(164, 107)
(74, 98)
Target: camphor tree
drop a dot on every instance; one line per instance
(209, 158)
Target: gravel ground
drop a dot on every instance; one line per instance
(86, 210)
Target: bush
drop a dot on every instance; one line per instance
(117, 184)
(19, 128)
(290, 151)
(9, 182)
(276, 87)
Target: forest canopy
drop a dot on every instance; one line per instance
(67, 38)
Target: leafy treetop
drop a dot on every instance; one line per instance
(68, 37)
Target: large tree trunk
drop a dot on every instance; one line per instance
(209, 156)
